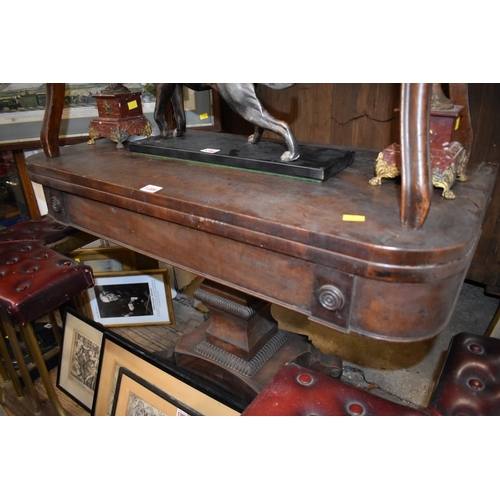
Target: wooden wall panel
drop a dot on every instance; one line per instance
(357, 114)
(484, 102)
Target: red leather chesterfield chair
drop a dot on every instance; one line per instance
(34, 280)
(469, 383)
(296, 391)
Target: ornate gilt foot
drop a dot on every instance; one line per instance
(448, 167)
(445, 180)
(147, 130)
(94, 134)
(384, 170)
(119, 136)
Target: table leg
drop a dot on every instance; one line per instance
(240, 347)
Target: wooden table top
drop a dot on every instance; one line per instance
(294, 218)
(297, 210)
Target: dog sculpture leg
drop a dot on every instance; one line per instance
(178, 106)
(242, 98)
(164, 92)
(256, 136)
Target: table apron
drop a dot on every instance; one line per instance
(407, 310)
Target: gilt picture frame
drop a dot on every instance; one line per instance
(169, 382)
(79, 359)
(106, 259)
(136, 397)
(130, 298)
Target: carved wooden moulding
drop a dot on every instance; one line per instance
(120, 116)
(448, 156)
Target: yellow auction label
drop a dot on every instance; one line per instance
(132, 105)
(204, 116)
(353, 218)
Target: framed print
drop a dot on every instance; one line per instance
(80, 355)
(130, 298)
(136, 397)
(152, 381)
(106, 259)
(22, 107)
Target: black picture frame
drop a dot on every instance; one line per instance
(145, 400)
(78, 370)
(177, 383)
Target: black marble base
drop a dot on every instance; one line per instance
(315, 162)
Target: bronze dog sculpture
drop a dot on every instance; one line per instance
(241, 97)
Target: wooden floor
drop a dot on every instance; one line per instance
(153, 339)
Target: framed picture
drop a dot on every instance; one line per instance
(125, 369)
(22, 107)
(136, 397)
(130, 298)
(106, 259)
(80, 356)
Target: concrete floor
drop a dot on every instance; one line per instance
(405, 373)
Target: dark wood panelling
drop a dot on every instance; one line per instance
(484, 101)
(330, 113)
(484, 104)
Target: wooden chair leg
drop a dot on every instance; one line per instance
(415, 153)
(37, 358)
(494, 327)
(7, 370)
(23, 367)
(3, 370)
(55, 328)
(49, 135)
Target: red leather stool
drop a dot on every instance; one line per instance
(52, 234)
(34, 280)
(469, 382)
(296, 391)
(43, 229)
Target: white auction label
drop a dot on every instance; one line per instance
(150, 188)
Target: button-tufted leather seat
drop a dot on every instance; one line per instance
(296, 391)
(469, 383)
(34, 280)
(42, 229)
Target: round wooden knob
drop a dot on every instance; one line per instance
(331, 298)
(56, 204)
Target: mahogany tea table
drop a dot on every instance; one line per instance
(260, 239)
